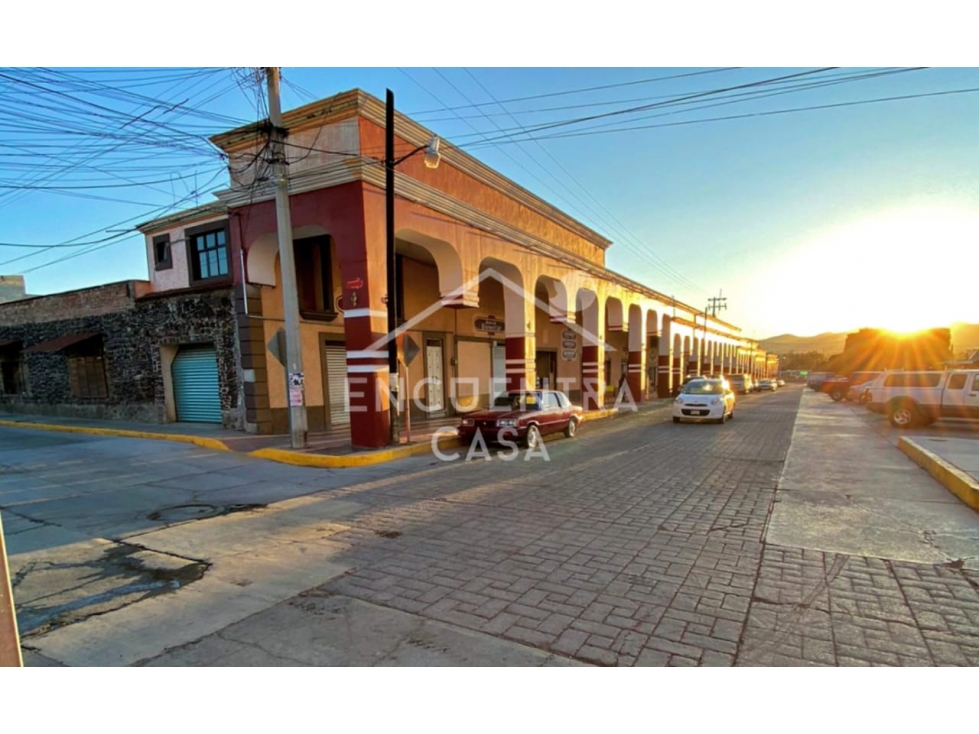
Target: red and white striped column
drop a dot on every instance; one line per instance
(520, 362)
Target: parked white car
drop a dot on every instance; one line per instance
(705, 400)
(911, 399)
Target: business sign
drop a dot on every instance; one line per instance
(569, 344)
(355, 284)
(569, 354)
(568, 334)
(489, 324)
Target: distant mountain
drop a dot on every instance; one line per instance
(964, 337)
(829, 343)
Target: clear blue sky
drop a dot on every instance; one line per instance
(810, 221)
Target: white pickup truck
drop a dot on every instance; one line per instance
(920, 398)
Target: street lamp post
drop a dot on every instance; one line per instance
(432, 159)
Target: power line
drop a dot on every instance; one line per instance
(767, 113)
(580, 91)
(825, 80)
(674, 100)
(640, 250)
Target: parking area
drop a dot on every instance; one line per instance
(794, 534)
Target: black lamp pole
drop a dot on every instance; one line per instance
(392, 303)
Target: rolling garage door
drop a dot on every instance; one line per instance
(336, 379)
(195, 385)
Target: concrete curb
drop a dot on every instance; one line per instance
(207, 443)
(954, 479)
(285, 456)
(347, 461)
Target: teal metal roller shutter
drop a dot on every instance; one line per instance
(195, 385)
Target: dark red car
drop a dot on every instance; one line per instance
(523, 416)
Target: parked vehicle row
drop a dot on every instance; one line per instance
(526, 416)
(912, 399)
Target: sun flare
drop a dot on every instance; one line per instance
(903, 270)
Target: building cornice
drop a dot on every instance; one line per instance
(213, 209)
(357, 102)
(407, 129)
(437, 200)
(322, 112)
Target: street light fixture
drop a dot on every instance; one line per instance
(432, 159)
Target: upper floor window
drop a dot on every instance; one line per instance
(208, 251)
(162, 259)
(314, 278)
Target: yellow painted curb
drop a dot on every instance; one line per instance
(346, 461)
(598, 414)
(954, 479)
(207, 443)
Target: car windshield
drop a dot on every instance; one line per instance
(518, 401)
(702, 387)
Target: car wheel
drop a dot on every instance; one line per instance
(571, 428)
(837, 395)
(533, 437)
(902, 415)
(675, 419)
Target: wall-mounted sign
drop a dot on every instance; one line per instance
(489, 324)
(569, 354)
(568, 334)
(355, 284)
(569, 344)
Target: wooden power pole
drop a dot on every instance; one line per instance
(10, 654)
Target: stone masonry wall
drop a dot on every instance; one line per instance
(132, 336)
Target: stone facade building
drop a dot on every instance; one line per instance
(107, 352)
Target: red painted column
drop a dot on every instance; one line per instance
(677, 371)
(590, 378)
(520, 368)
(361, 256)
(663, 384)
(635, 375)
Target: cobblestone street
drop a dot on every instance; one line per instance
(642, 544)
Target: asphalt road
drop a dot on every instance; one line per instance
(786, 536)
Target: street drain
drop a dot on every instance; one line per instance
(183, 513)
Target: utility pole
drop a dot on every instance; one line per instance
(10, 654)
(717, 303)
(290, 299)
(391, 257)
